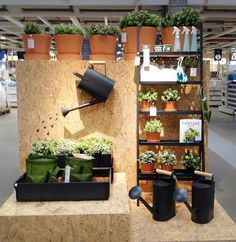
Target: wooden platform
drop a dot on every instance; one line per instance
(4, 110)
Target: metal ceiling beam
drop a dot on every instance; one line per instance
(9, 31)
(75, 21)
(228, 31)
(45, 21)
(14, 21)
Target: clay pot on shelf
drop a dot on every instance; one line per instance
(170, 106)
(153, 136)
(37, 46)
(147, 167)
(167, 36)
(69, 46)
(102, 47)
(145, 105)
(167, 167)
(147, 37)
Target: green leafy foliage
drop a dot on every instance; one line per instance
(149, 94)
(139, 18)
(167, 157)
(101, 29)
(32, 28)
(148, 156)
(191, 133)
(167, 21)
(191, 62)
(153, 125)
(67, 29)
(170, 95)
(191, 160)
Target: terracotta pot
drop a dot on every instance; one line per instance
(147, 37)
(147, 167)
(170, 106)
(41, 46)
(167, 167)
(145, 105)
(67, 44)
(102, 57)
(103, 46)
(153, 136)
(167, 36)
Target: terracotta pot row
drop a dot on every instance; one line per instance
(37, 47)
(168, 106)
(149, 167)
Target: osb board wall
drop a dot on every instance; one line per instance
(44, 87)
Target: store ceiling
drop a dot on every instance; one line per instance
(219, 20)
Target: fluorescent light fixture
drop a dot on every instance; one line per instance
(2, 37)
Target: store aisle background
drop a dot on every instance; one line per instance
(222, 161)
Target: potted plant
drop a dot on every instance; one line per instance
(147, 160)
(102, 39)
(146, 98)
(190, 135)
(191, 161)
(167, 159)
(153, 130)
(190, 62)
(36, 44)
(167, 36)
(170, 97)
(148, 29)
(69, 39)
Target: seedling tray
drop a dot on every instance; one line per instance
(73, 191)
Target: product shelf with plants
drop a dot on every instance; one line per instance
(175, 54)
(197, 82)
(170, 143)
(177, 112)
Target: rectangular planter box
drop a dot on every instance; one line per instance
(73, 191)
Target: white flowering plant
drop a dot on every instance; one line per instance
(167, 157)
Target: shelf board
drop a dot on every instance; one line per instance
(177, 112)
(169, 82)
(170, 143)
(181, 174)
(171, 54)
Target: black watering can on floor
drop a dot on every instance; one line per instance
(163, 207)
(96, 84)
(203, 193)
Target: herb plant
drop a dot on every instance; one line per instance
(101, 29)
(191, 160)
(167, 21)
(153, 125)
(32, 28)
(167, 157)
(148, 156)
(149, 94)
(191, 62)
(170, 95)
(67, 29)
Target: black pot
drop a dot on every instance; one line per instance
(61, 161)
(102, 160)
(190, 170)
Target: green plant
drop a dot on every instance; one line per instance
(167, 21)
(101, 29)
(170, 95)
(190, 135)
(141, 18)
(191, 62)
(191, 160)
(43, 147)
(187, 17)
(148, 156)
(149, 94)
(153, 125)
(67, 29)
(167, 157)
(32, 28)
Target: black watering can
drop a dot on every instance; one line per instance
(96, 84)
(163, 202)
(203, 193)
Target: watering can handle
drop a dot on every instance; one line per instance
(78, 75)
(162, 172)
(201, 173)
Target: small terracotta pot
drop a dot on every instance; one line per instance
(145, 105)
(41, 46)
(170, 106)
(147, 37)
(153, 136)
(102, 46)
(147, 167)
(67, 44)
(167, 167)
(167, 36)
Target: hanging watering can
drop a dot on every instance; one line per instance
(203, 193)
(163, 207)
(96, 84)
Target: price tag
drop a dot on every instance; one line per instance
(153, 111)
(137, 61)
(67, 174)
(31, 43)
(193, 72)
(123, 37)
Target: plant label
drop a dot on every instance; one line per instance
(67, 174)
(193, 72)
(153, 111)
(123, 37)
(31, 43)
(137, 61)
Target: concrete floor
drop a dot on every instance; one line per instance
(222, 144)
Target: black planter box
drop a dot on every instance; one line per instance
(73, 191)
(102, 160)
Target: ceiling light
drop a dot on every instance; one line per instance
(2, 37)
